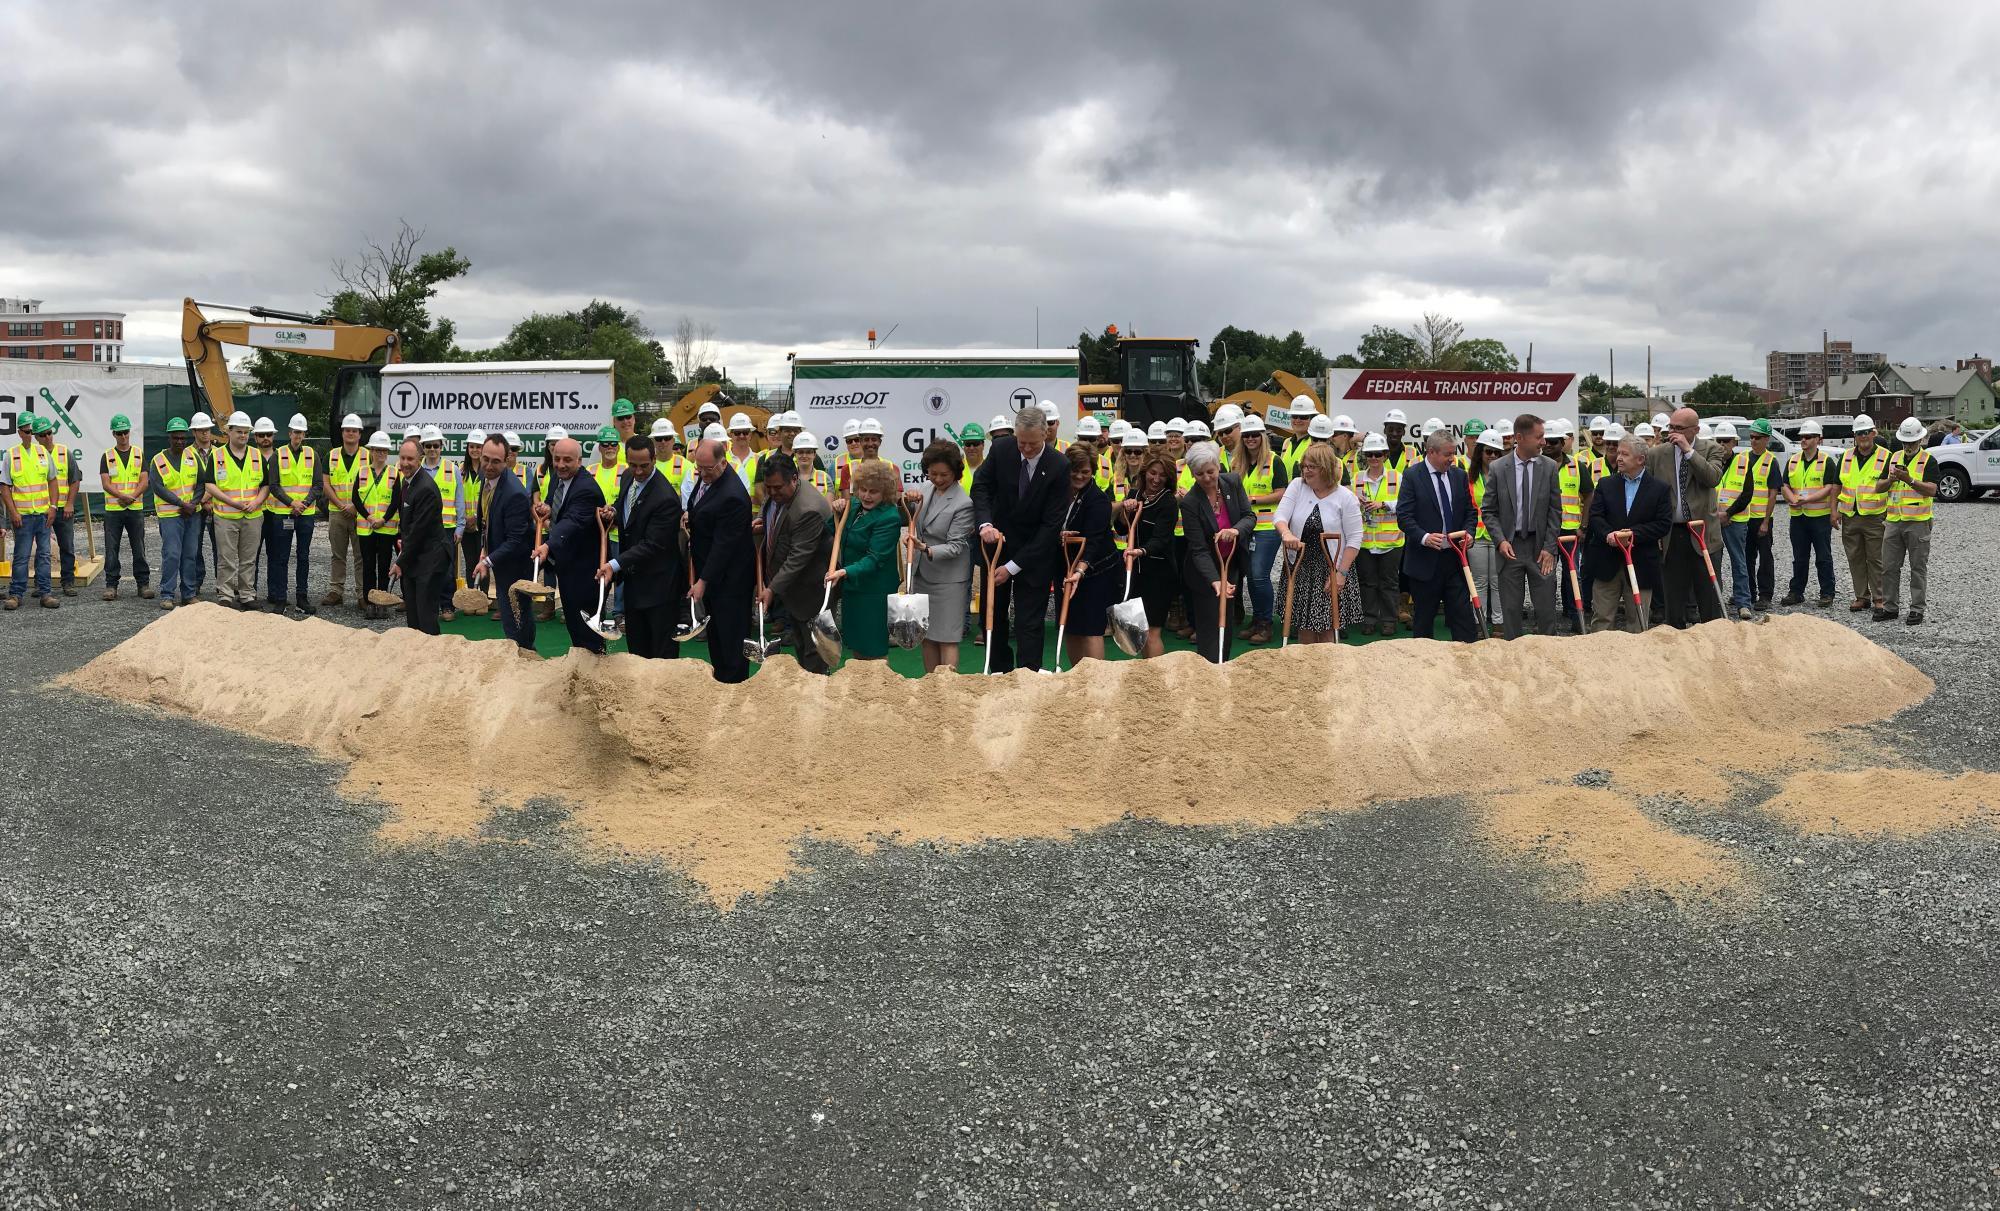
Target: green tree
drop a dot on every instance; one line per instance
(1249, 358)
(597, 330)
(1100, 355)
(1719, 394)
(1484, 354)
(1387, 349)
(1346, 361)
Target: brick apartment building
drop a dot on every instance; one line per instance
(1795, 374)
(32, 334)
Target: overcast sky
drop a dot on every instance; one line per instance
(1713, 178)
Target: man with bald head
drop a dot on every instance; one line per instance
(425, 546)
(570, 546)
(1689, 466)
(719, 542)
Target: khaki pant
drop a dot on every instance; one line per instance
(340, 535)
(1899, 537)
(1861, 537)
(236, 550)
(1605, 598)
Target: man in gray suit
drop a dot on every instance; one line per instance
(1522, 507)
(793, 529)
(1690, 466)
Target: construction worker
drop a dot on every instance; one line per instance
(1864, 509)
(1175, 444)
(740, 457)
(1647, 432)
(291, 472)
(512, 441)
(235, 488)
(673, 465)
(263, 436)
(624, 423)
(785, 429)
(1394, 426)
(1474, 429)
(805, 455)
(850, 452)
(1505, 428)
(1600, 466)
(971, 444)
(1228, 424)
(1573, 485)
(1300, 440)
(25, 483)
(1195, 433)
(122, 474)
(1131, 453)
(1381, 538)
(606, 471)
(1908, 528)
(1811, 486)
(1347, 444)
(471, 485)
(343, 465)
(1264, 481)
(1746, 499)
(374, 490)
(65, 485)
(1487, 448)
(541, 477)
(201, 431)
(173, 476)
(1091, 429)
(1053, 415)
(1319, 432)
(452, 510)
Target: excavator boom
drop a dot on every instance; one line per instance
(202, 340)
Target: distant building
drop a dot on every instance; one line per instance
(1843, 395)
(1937, 394)
(1796, 374)
(32, 334)
(1982, 366)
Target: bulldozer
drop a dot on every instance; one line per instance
(684, 410)
(1156, 382)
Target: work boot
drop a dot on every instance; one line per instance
(1825, 603)
(1259, 632)
(447, 615)
(1886, 615)
(10, 603)
(1792, 599)
(1914, 618)
(188, 600)
(166, 603)
(276, 607)
(69, 588)
(1762, 607)
(146, 593)
(1743, 613)
(332, 597)
(303, 606)
(1859, 606)
(50, 603)
(111, 594)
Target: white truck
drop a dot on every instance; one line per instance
(1968, 470)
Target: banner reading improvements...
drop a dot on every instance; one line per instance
(522, 397)
(81, 408)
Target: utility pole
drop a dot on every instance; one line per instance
(1649, 376)
(1826, 376)
(1038, 325)
(1531, 357)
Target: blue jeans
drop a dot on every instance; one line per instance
(278, 533)
(1812, 538)
(1735, 537)
(180, 543)
(1264, 545)
(32, 535)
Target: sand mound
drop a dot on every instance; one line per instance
(1610, 844)
(1893, 802)
(722, 781)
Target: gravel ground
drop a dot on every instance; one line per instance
(217, 991)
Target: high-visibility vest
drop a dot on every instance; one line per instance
(1569, 483)
(1382, 533)
(1398, 460)
(1906, 503)
(1804, 475)
(823, 480)
(128, 474)
(238, 481)
(178, 480)
(340, 475)
(475, 485)
(445, 476)
(1858, 482)
(372, 492)
(607, 486)
(28, 464)
(1759, 476)
(1351, 461)
(1295, 449)
(1478, 490)
(295, 476)
(676, 470)
(1257, 482)
(58, 456)
(744, 467)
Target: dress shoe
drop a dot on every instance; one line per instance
(1791, 599)
(1824, 603)
(1762, 607)
(1913, 618)
(304, 607)
(1886, 615)
(1859, 606)
(332, 598)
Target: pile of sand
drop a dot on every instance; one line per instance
(722, 781)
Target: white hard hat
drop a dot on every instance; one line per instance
(1374, 443)
(1661, 420)
(1864, 422)
(1158, 430)
(1642, 429)
(298, 423)
(350, 421)
(1395, 417)
(1504, 426)
(706, 409)
(1176, 425)
(1118, 428)
(1344, 424)
(1196, 428)
(413, 433)
(512, 439)
(870, 427)
(1432, 425)
(1599, 424)
(1049, 410)
(555, 434)
(1253, 423)
(1723, 431)
(1090, 426)
(1561, 426)
(263, 425)
(1133, 440)
(1614, 432)
(239, 420)
(662, 427)
(851, 427)
(1911, 430)
(805, 441)
(431, 435)
(1319, 426)
(1303, 403)
(476, 438)
(200, 421)
(379, 442)
(1704, 430)
(740, 423)
(788, 420)
(1810, 429)
(1228, 416)
(714, 433)
(1490, 438)
(1001, 424)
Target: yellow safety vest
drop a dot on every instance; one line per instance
(238, 482)
(965, 478)
(1569, 482)
(372, 492)
(1858, 481)
(58, 455)
(1478, 489)
(1295, 449)
(1759, 476)
(29, 467)
(1257, 482)
(340, 476)
(676, 471)
(607, 486)
(446, 478)
(178, 480)
(127, 475)
(744, 467)
(295, 476)
(475, 485)
(1398, 460)
(1905, 503)
(1382, 533)
(1814, 476)
(823, 480)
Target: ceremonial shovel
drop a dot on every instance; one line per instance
(1461, 542)
(825, 631)
(1128, 617)
(1568, 544)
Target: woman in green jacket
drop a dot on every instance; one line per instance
(868, 571)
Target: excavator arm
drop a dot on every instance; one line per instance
(202, 340)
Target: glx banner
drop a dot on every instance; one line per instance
(81, 408)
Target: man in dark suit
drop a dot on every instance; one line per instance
(571, 546)
(718, 523)
(1689, 467)
(421, 561)
(1021, 493)
(1435, 502)
(648, 516)
(795, 537)
(507, 532)
(1522, 506)
(1636, 507)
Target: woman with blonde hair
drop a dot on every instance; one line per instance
(868, 571)
(1317, 504)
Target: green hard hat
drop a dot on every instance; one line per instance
(177, 425)
(972, 433)
(1475, 427)
(44, 425)
(119, 423)
(623, 408)
(605, 433)
(1760, 427)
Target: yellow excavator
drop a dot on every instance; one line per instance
(1287, 387)
(202, 340)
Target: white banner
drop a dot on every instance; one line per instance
(280, 336)
(916, 410)
(81, 408)
(525, 403)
